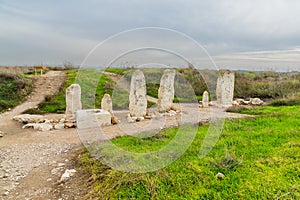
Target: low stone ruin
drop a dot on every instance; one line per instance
(39, 122)
(87, 117)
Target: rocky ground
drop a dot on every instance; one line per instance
(33, 162)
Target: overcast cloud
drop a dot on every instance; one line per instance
(257, 34)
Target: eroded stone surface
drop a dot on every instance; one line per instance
(225, 88)
(106, 103)
(137, 97)
(73, 101)
(166, 91)
(93, 117)
(27, 118)
(205, 99)
(256, 101)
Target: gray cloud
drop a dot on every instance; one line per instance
(32, 32)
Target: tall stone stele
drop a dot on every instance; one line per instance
(106, 104)
(205, 99)
(73, 101)
(166, 91)
(225, 88)
(137, 96)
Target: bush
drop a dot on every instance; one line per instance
(235, 109)
(286, 102)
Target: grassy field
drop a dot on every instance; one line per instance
(259, 157)
(14, 87)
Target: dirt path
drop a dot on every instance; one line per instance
(47, 84)
(32, 162)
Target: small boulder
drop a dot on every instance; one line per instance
(47, 126)
(242, 102)
(27, 118)
(114, 120)
(70, 125)
(59, 126)
(220, 176)
(256, 102)
(67, 174)
(1, 134)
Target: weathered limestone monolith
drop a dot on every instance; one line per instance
(205, 99)
(106, 104)
(225, 88)
(166, 91)
(137, 96)
(73, 101)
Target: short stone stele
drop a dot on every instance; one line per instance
(166, 91)
(106, 103)
(73, 101)
(205, 99)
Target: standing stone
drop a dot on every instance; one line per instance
(73, 101)
(166, 91)
(205, 99)
(137, 96)
(225, 88)
(106, 103)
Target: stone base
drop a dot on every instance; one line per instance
(92, 117)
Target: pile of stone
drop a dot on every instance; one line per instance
(39, 122)
(252, 101)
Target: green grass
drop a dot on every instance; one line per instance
(258, 156)
(13, 89)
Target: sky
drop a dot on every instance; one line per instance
(233, 34)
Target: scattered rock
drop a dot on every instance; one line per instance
(114, 120)
(256, 101)
(68, 173)
(220, 176)
(47, 126)
(140, 119)
(27, 118)
(172, 113)
(61, 164)
(59, 126)
(147, 116)
(69, 125)
(242, 102)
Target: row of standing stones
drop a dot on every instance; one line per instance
(137, 101)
